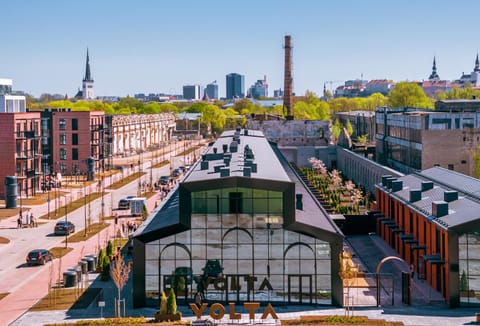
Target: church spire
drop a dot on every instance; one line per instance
(88, 76)
(434, 75)
(477, 65)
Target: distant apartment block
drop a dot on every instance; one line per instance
(235, 86)
(277, 93)
(135, 133)
(382, 86)
(212, 91)
(410, 140)
(191, 92)
(10, 102)
(259, 89)
(71, 138)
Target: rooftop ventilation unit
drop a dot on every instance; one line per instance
(225, 148)
(247, 171)
(397, 185)
(204, 165)
(384, 179)
(415, 195)
(439, 208)
(224, 172)
(450, 195)
(427, 185)
(245, 132)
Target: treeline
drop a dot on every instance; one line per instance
(307, 107)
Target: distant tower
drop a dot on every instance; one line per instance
(87, 84)
(434, 75)
(288, 79)
(477, 65)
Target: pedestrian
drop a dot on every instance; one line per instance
(33, 221)
(19, 221)
(27, 219)
(198, 299)
(412, 270)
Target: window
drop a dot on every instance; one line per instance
(63, 139)
(74, 124)
(74, 153)
(63, 154)
(450, 166)
(62, 124)
(74, 139)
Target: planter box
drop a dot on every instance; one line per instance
(167, 317)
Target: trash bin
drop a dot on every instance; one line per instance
(90, 263)
(95, 259)
(69, 278)
(84, 266)
(77, 269)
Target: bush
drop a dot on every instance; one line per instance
(163, 303)
(105, 268)
(100, 259)
(109, 249)
(171, 303)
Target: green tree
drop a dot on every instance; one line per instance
(212, 115)
(168, 107)
(407, 94)
(349, 128)
(109, 250)
(336, 128)
(151, 108)
(362, 139)
(100, 259)
(171, 302)
(106, 268)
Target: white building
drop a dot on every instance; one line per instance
(8, 102)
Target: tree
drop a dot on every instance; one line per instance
(109, 250)
(349, 128)
(119, 271)
(336, 128)
(100, 259)
(407, 94)
(171, 302)
(362, 139)
(163, 303)
(105, 268)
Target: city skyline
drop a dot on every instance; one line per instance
(156, 47)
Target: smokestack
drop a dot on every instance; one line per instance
(288, 81)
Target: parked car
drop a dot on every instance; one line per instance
(39, 257)
(164, 179)
(124, 203)
(64, 228)
(176, 173)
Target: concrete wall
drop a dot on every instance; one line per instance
(362, 171)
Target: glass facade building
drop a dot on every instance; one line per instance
(237, 238)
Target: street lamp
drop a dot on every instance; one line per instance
(66, 222)
(85, 206)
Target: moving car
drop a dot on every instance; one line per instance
(39, 257)
(64, 228)
(123, 203)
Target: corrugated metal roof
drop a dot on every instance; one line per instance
(267, 166)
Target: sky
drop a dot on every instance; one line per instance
(157, 46)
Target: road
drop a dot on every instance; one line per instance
(17, 279)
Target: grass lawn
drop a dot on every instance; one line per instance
(92, 230)
(58, 252)
(71, 206)
(160, 164)
(127, 180)
(338, 320)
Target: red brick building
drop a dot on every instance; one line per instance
(21, 151)
(432, 220)
(74, 137)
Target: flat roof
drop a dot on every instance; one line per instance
(266, 163)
